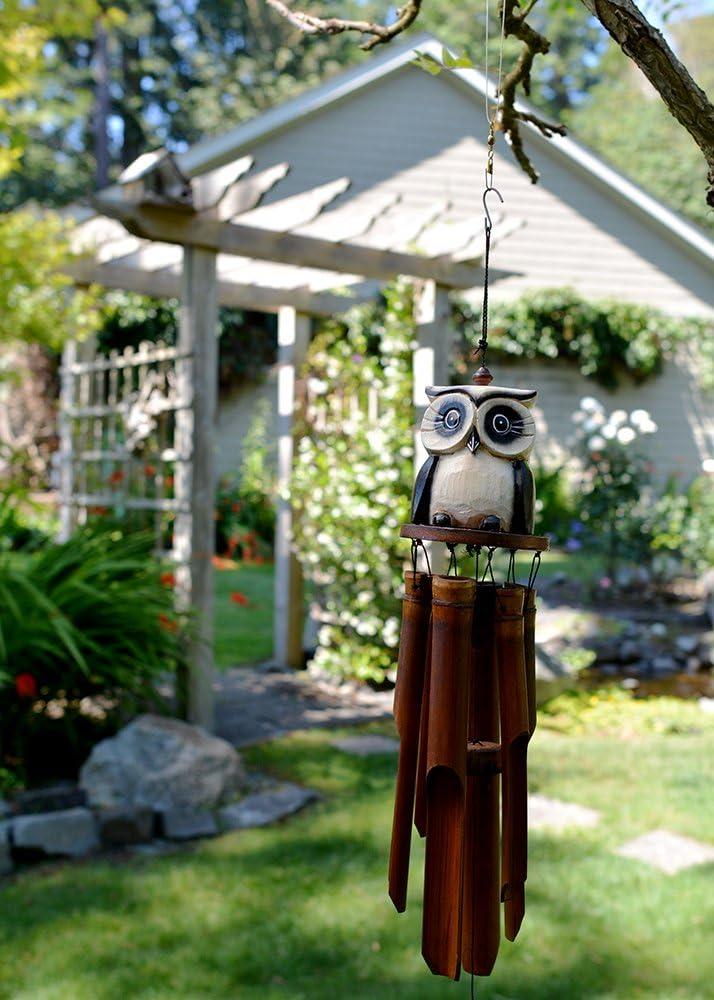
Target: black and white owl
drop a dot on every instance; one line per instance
(478, 438)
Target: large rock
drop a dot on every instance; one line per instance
(267, 807)
(118, 827)
(63, 795)
(162, 764)
(180, 824)
(66, 833)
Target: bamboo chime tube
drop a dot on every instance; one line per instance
(481, 909)
(413, 645)
(515, 733)
(420, 793)
(452, 614)
(529, 615)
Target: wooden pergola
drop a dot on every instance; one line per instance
(226, 237)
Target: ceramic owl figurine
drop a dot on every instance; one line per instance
(478, 438)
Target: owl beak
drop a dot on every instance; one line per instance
(473, 442)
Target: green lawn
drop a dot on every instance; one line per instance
(300, 910)
(243, 632)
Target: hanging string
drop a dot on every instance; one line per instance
(511, 571)
(483, 376)
(453, 562)
(426, 556)
(535, 566)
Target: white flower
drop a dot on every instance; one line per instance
(638, 417)
(596, 443)
(618, 417)
(593, 422)
(590, 404)
(708, 465)
(608, 432)
(626, 435)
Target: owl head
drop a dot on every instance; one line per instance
(493, 417)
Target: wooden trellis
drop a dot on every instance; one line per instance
(118, 424)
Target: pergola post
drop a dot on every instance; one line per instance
(66, 472)
(293, 340)
(197, 372)
(431, 363)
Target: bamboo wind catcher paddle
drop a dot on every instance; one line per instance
(465, 711)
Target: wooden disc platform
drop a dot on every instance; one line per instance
(472, 536)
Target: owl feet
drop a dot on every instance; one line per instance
(441, 520)
(491, 523)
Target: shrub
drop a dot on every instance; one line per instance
(682, 523)
(352, 483)
(614, 482)
(19, 529)
(555, 505)
(247, 342)
(605, 338)
(87, 627)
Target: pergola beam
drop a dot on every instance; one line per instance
(261, 298)
(165, 225)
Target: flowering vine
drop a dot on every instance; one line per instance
(352, 481)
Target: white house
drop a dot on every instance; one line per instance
(391, 127)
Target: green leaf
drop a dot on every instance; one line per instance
(455, 62)
(426, 62)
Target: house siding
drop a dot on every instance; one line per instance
(421, 136)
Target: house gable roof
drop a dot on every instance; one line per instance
(211, 152)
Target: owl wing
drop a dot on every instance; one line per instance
(523, 499)
(421, 498)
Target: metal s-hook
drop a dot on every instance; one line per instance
(488, 221)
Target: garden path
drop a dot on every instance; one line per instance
(254, 704)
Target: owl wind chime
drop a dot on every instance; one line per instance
(464, 702)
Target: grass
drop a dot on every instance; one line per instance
(299, 910)
(243, 632)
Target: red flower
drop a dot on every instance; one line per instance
(149, 470)
(26, 686)
(239, 598)
(168, 579)
(169, 481)
(116, 477)
(166, 623)
(235, 507)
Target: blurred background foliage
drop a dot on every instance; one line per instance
(87, 629)
(607, 339)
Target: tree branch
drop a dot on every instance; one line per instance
(313, 24)
(645, 46)
(520, 76)
(627, 25)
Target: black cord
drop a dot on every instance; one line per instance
(483, 342)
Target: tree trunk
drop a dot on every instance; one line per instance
(101, 104)
(646, 46)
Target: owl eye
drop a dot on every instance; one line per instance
(506, 427)
(501, 424)
(452, 419)
(447, 423)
